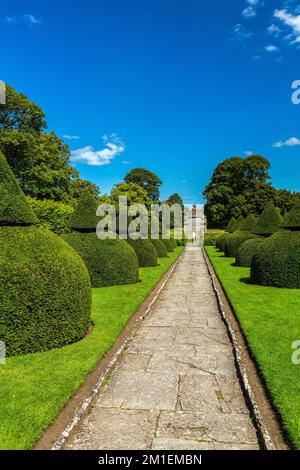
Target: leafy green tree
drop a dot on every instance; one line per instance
(240, 186)
(149, 181)
(175, 199)
(134, 192)
(79, 187)
(39, 160)
(19, 113)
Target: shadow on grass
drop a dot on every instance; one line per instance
(246, 280)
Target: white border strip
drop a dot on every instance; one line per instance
(92, 396)
(263, 432)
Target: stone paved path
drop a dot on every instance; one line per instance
(175, 386)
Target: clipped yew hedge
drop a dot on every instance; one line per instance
(160, 248)
(109, 262)
(247, 251)
(168, 245)
(145, 252)
(277, 261)
(236, 239)
(45, 289)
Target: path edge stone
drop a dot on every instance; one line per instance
(265, 438)
(89, 400)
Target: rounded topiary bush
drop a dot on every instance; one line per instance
(236, 239)
(277, 260)
(221, 241)
(110, 262)
(168, 245)
(160, 248)
(45, 290)
(145, 252)
(247, 251)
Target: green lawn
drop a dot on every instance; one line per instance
(270, 319)
(34, 388)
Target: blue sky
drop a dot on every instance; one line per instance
(175, 86)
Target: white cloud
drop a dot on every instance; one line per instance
(274, 29)
(88, 155)
(271, 48)
(249, 12)
(249, 153)
(291, 142)
(31, 19)
(126, 162)
(241, 32)
(71, 137)
(290, 20)
(27, 18)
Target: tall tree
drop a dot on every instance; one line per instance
(175, 199)
(79, 187)
(135, 194)
(149, 181)
(40, 160)
(237, 187)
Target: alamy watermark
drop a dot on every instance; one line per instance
(137, 221)
(2, 353)
(296, 93)
(2, 92)
(296, 353)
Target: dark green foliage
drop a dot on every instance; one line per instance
(168, 245)
(239, 223)
(51, 214)
(160, 248)
(84, 217)
(211, 239)
(277, 261)
(249, 223)
(269, 222)
(173, 241)
(231, 226)
(14, 209)
(292, 218)
(110, 262)
(246, 252)
(45, 291)
(235, 240)
(145, 252)
(147, 180)
(181, 242)
(221, 241)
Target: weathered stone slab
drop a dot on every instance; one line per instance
(111, 429)
(214, 427)
(180, 444)
(140, 391)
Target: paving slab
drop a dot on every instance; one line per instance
(175, 386)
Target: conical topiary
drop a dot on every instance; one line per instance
(84, 217)
(269, 221)
(239, 222)
(277, 260)
(110, 261)
(45, 290)
(291, 220)
(231, 226)
(249, 223)
(14, 209)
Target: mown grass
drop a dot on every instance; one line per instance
(35, 387)
(270, 319)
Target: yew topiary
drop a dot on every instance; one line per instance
(160, 248)
(45, 290)
(145, 252)
(236, 239)
(110, 261)
(269, 221)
